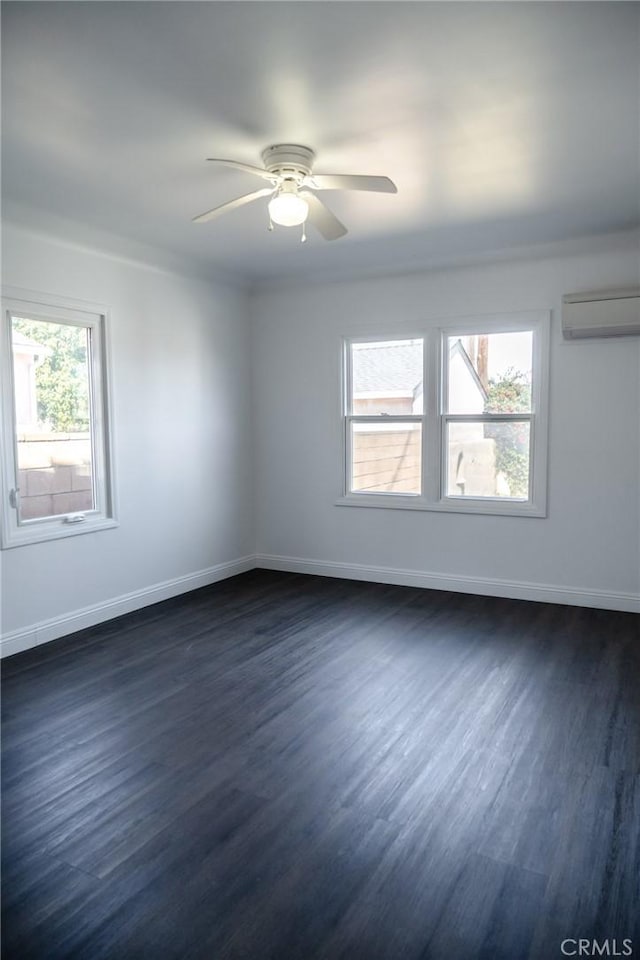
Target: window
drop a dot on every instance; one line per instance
(453, 418)
(57, 465)
(385, 416)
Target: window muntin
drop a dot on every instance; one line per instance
(482, 434)
(56, 475)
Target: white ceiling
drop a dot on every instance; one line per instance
(502, 123)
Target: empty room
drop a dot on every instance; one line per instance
(320, 480)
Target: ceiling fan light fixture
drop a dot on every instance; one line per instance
(288, 209)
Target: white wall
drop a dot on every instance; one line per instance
(585, 551)
(182, 443)
(194, 457)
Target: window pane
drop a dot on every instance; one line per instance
(488, 460)
(490, 373)
(386, 377)
(386, 457)
(52, 411)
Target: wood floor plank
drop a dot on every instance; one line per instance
(285, 766)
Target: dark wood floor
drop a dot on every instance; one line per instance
(283, 767)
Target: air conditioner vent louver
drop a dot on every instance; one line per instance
(601, 313)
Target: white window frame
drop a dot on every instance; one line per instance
(435, 417)
(95, 318)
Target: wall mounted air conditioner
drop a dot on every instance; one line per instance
(601, 313)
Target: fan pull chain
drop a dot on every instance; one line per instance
(270, 227)
(303, 238)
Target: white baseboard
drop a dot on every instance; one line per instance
(56, 627)
(511, 589)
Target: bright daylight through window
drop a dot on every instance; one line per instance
(454, 419)
(56, 470)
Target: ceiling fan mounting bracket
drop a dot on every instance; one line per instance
(288, 160)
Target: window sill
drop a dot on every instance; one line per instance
(25, 536)
(494, 508)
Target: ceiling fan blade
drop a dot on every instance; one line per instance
(325, 222)
(258, 171)
(232, 204)
(345, 182)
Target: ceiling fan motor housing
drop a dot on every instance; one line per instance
(288, 160)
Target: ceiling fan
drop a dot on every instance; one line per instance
(288, 169)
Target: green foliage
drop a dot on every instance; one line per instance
(62, 387)
(511, 394)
